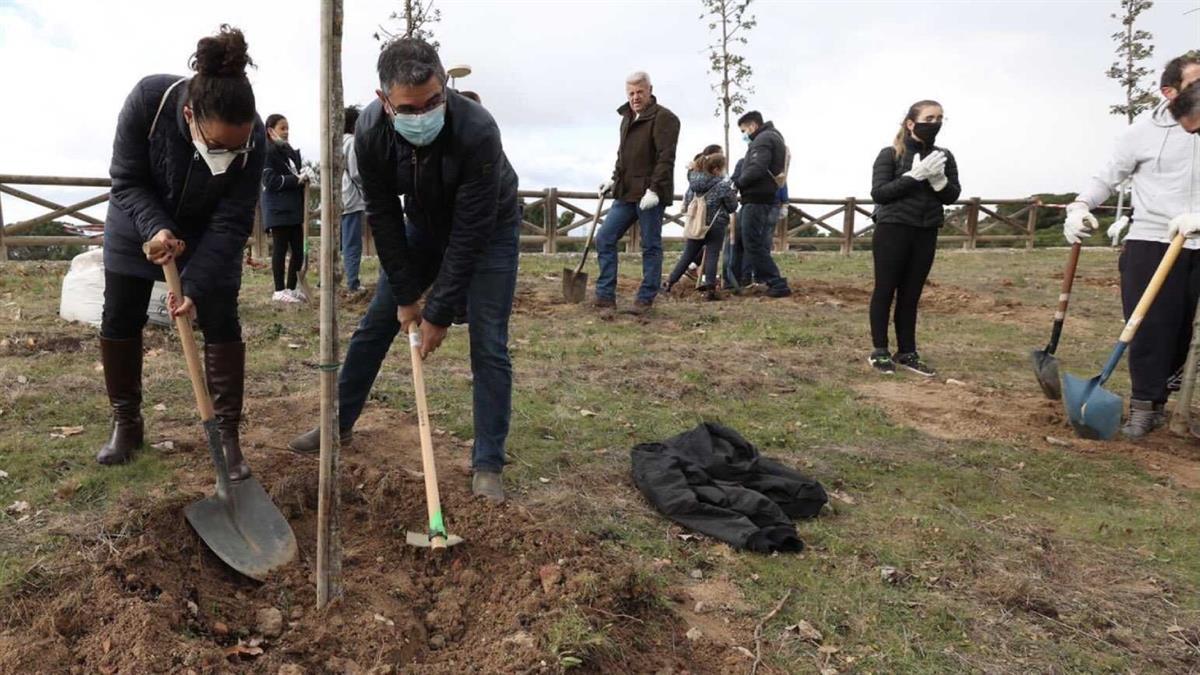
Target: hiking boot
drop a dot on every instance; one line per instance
(604, 303)
(779, 292)
(309, 442)
(882, 362)
(487, 484)
(690, 272)
(912, 361)
(122, 362)
(640, 308)
(225, 370)
(1144, 417)
(1175, 382)
(709, 292)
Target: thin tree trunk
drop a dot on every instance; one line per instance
(1129, 70)
(725, 70)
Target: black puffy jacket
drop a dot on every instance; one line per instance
(159, 182)
(902, 200)
(459, 189)
(283, 195)
(765, 159)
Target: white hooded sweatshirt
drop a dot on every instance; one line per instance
(1164, 161)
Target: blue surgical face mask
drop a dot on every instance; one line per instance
(746, 136)
(420, 130)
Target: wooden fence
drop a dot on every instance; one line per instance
(841, 224)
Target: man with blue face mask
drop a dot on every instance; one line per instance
(453, 239)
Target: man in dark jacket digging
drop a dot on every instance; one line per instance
(453, 239)
(759, 192)
(642, 187)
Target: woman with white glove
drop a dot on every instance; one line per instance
(913, 180)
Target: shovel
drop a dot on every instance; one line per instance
(1094, 412)
(436, 538)
(239, 523)
(1045, 365)
(574, 281)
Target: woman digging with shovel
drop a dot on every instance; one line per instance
(187, 160)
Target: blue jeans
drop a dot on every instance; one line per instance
(616, 223)
(757, 223)
(352, 246)
(489, 301)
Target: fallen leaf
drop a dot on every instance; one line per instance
(957, 383)
(694, 634)
(18, 507)
(828, 649)
(164, 445)
(543, 479)
(160, 407)
(21, 379)
(805, 631)
(829, 671)
(241, 649)
(842, 497)
(293, 345)
(68, 431)
(1058, 441)
(383, 619)
(745, 652)
(3, 474)
(106, 645)
(586, 413)
(1174, 628)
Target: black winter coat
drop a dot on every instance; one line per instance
(283, 195)
(159, 182)
(646, 154)
(902, 200)
(460, 188)
(764, 160)
(712, 480)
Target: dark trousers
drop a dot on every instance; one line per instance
(756, 223)
(1161, 344)
(285, 238)
(903, 257)
(126, 299)
(708, 248)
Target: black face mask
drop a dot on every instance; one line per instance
(927, 131)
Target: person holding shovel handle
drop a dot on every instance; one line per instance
(453, 239)
(187, 160)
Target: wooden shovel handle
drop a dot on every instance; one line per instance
(1152, 289)
(191, 353)
(433, 500)
(591, 234)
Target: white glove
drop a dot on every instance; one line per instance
(1187, 224)
(1079, 223)
(606, 188)
(924, 169)
(1115, 230)
(649, 201)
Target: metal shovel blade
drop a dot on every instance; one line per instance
(245, 529)
(1045, 368)
(1094, 412)
(425, 541)
(574, 285)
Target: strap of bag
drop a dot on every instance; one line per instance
(162, 103)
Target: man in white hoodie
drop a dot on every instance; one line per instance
(1160, 157)
(353, 204)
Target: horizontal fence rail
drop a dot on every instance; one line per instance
(559, 220)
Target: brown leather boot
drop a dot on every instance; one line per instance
(122, 361)
(225, 369)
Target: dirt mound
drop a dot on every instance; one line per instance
(522, 595)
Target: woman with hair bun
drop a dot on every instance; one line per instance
(187, 160)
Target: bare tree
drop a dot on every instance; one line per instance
(414, 22)
(1133, 48)
(728, 20)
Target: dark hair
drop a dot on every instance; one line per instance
(273, 119)
(714, 164)
(1187, 103)
(409, 62)
(697, 163)
(351, 116)
(913, 111)
(752, 116)
(220, 88)
(1172, 74)
(472, 95)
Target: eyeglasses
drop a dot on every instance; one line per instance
(431, 104)
(247, 148)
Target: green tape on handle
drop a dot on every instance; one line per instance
(436, 525)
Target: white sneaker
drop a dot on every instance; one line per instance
(283, 296)
(297, 295)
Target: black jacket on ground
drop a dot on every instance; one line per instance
(901, 200)
(712, 480)
(459, 189)
(282, 196)
(764, 160)
(159, 182)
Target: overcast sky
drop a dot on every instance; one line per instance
(1022, 83)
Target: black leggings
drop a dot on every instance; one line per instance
(126, 299)
(283, 238)
(903, 257)
(1161, 344)
(692, 248)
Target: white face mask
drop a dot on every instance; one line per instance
(217, 164)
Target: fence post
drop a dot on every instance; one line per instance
(972, 223)
(550, 220)
(3, 248)
(848, 226)
(258, 238)
(1032, 226)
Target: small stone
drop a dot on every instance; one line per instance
(160, 407)
(437, 641)
(131, 579)
(701, 607)
(696, 573)
(219, 628)
(269, 622)
(21, 379)
(291, 669)
(193, 608)
(551, 576)
(694, 634)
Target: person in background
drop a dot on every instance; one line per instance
(1159, 155)
(353, 204)
(912, 181)
(187, 159)
(758, 186)
(642, 186)
(706, 181)
(284, 189)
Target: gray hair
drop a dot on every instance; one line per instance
(639, 77)
(409, 62)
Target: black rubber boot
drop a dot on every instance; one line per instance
(122, 361)
(225, 370)
(1144, 417)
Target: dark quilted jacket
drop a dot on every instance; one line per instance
(282, 196)
(901, 200)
